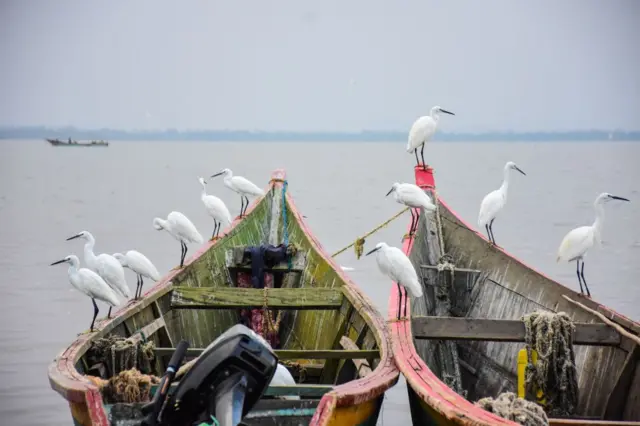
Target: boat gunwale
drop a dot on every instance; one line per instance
(65, 379)
(424, 382)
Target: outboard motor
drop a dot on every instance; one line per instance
(226, 381)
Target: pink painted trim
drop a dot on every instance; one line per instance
(73, 386)
(419, 376)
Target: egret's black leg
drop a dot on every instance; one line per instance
(246, 205)
(412, 220)
(109, 313)
(242, 208)
(488, 232)
(95, 313)
(424, 165)
(141, 284)
(399, 298)
(406, 302)
(415, 151)
(583, 280)
(578, 273)
(215, 225)
(493, 238)
(415, 225)
(216, 229)
(184, 253)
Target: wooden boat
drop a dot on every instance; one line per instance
(320, 324)
(465, 334)
(58, 142)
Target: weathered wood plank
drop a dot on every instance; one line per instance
(294, 354)
(362, 365)
(148, 329)
(617, 399)
(451, 328)
(234, 297)
(305, 390)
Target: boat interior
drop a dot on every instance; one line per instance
(267, 274)
(469, 329)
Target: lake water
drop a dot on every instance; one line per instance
(48, 194)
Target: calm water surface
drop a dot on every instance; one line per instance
(48, 194)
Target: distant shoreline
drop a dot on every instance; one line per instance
(41, 132)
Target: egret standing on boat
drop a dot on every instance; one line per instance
(495, 201)
(396, 265)
(422, 131)
(216, 208)
(90, 284)
(141, 265)
(412, 196)
(104, 265)
(240, 185)
(180, 228)
(578, 241)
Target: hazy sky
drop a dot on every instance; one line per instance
(323, 65)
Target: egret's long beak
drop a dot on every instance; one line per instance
(446, 112)
(518, 169)
(58, 262)
(390, 191)
(372, 251)
(74, 237)
(615, 197)
(217, 174)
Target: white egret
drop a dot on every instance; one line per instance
(141, 265)
(90, 284)
(240, 185)
(422, 130)
(282, 377)
(495, 201)
(578, 241)
(216, 208)
(396, 265)
(412, 196)
(104, 265)
(180, 228)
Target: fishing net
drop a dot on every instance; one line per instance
(128, 386)
(510, 407)
(551, 336)
(118, 354)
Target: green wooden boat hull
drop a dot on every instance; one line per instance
(334, 342)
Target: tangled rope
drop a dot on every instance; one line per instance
(358, 244)
(118, 354)
(128, 386)
(551, 336)
(510, 407)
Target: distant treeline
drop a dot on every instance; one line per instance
(41, 132)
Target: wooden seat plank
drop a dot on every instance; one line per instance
(451, 328)
(235, 297)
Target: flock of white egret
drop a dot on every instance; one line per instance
(103, 279)
(392, 261)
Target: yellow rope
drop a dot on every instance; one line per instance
(358, 244)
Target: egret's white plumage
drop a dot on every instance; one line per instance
(105, 265)
(141, 265)
(423, 130)
(240, 185)
(495, 201)
(180, 228)
(216, 208)
(393, 263)
(282, 377)
(412, 196)
(578, 241)
(90, 284)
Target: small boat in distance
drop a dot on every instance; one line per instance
(58, 142)
(268, 272)
(470, 335)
